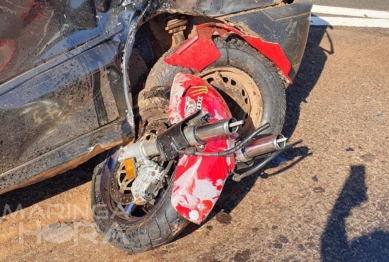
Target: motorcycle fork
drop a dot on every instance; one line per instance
(176, 25)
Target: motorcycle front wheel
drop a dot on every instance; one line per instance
(142, 227)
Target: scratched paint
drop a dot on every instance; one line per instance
(195, 189)
(176, 93)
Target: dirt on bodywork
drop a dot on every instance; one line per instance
(325, 199)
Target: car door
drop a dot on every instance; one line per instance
(55, 85)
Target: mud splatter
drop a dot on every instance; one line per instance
(224, 218)
(369, 157)
(283, 239)
(242, 256)
(278, 245)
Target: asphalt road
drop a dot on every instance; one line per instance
(327, 199)
(382, 5)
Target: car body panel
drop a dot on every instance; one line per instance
(287, 25)
(41, 29)
(67, 89)
(213, 8)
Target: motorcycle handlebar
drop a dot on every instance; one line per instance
(193, 135)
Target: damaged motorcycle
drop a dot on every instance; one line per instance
(175, 94)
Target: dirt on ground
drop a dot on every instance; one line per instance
(327, 199)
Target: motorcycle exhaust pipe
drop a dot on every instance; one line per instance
(261, 147)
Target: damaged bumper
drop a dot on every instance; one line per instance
(287, 25)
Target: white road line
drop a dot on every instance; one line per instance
(331, 10)
(362, 17)
(347, 21)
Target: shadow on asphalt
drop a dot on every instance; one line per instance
(309, 73)
(334, 243)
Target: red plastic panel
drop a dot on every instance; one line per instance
(199, 180)
(200, 51)
(197, 53)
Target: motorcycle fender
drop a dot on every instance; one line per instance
(199, 180)
(200, 51)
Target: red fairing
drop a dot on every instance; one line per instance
(199, 180)
(200, 51)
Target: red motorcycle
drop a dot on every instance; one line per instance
(179, 92)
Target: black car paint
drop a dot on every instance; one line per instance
(286, 25)
(61, 95)
(213, 8)
(62, 91)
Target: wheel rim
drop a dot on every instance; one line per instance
(117, 194)
(241, 94)
(118, 186)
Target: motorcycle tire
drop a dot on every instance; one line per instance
(156, 228)
(254, 78)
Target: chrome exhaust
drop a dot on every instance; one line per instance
(261, 147)
(199, 135)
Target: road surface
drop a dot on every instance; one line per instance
(327, 199)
